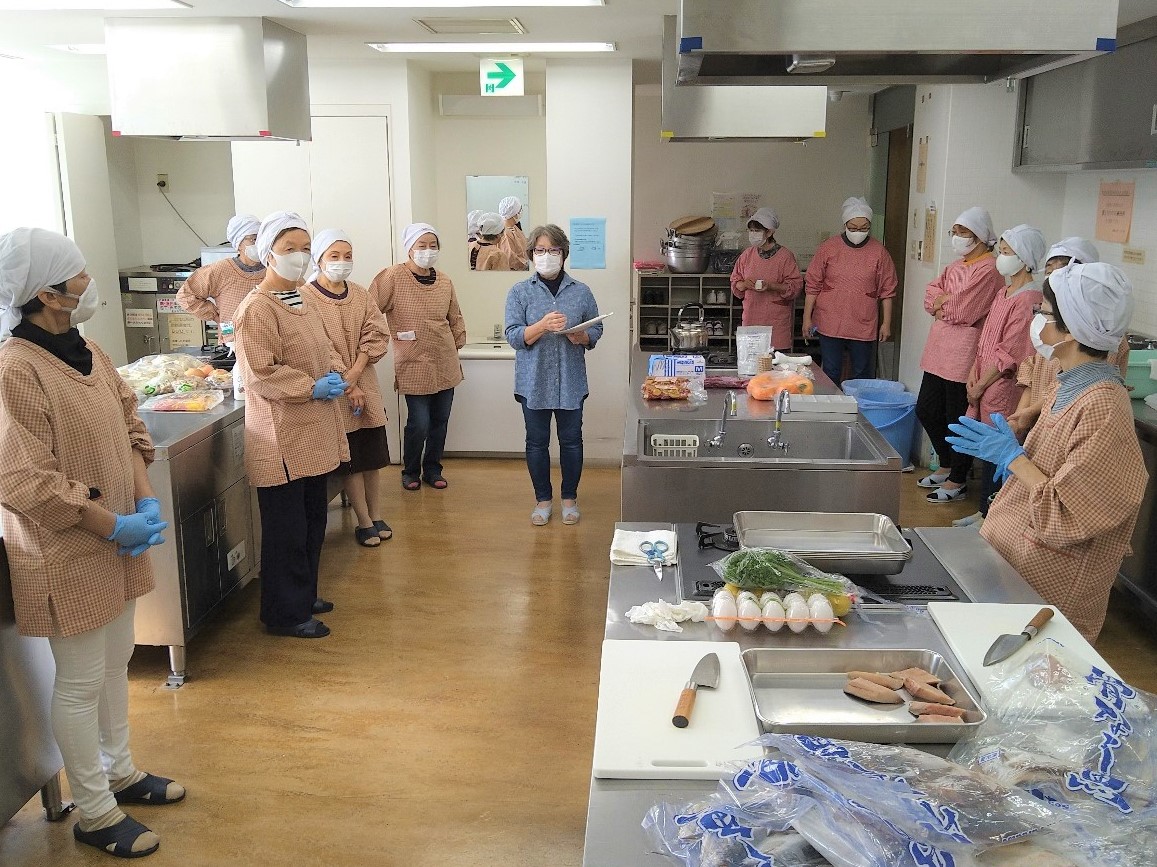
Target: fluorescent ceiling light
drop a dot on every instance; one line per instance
(81, 48)
(87, 5)
(490, 47)
(441, 4)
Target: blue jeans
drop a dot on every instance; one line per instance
(863, 356)
(424, 439)
(569, 423)
(988, 485)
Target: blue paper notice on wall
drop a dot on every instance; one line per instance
(588, 242)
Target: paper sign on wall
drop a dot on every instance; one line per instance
(588, 242)
(750, 205)
(136, 317)
(928, 252)
(1115, 211)
(922, 165)
(185, 330)
(168, 305)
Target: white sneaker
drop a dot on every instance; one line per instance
(968, 521)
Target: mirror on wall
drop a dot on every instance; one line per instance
(497, 218)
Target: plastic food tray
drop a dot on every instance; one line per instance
(801, 691)
(851, 543)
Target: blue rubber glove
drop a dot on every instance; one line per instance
(995, 443)
(329, 387)
(150, 506)
(132, 531)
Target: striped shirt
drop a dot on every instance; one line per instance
(1081, 378)
(291, 299)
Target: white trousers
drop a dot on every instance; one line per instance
(90, 710)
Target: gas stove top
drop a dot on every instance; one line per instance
(923, 580)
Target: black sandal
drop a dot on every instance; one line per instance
(436, 482)
(322, 606)
(411, 484)
(363, 535)
(312, 628)
(117, 840)
(150, 790)
(383, 527)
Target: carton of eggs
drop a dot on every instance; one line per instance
(749, 610)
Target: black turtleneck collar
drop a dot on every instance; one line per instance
(69, 347)
(554, 284)
(847, 241)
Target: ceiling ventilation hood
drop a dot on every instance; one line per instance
(207, 79)
(736, 113)
(855, 43)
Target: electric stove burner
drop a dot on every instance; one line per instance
(722, 538)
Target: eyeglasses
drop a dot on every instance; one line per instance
(542, 251)
(1038, 310)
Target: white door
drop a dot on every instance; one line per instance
(88, 220)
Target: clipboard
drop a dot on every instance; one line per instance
(583, 326)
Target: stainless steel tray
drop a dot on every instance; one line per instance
(801, 691)
(852, 543)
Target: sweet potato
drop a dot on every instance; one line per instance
(917, 674)
(888, 680)
(920, 708)
(936, 718)
(926, 692)
(869, 691)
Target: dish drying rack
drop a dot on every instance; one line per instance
(675, 445)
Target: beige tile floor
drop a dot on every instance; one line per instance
(449, 718)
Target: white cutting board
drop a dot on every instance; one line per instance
(638, 689)
(971, 627)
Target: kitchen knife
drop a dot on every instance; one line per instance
(1006, 645)
(706, 675)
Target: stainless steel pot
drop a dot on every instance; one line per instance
(688, 254)
(690, 336)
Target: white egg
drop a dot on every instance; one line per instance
(792, 598)
(813, 597)
(746, 594)
(749, 614)
(724, 611)
(798, 614)
(821, 610)
(764, 597)
(773, 614)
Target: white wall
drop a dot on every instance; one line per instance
(125, 195)
(588, 162)
(1080, 214)
(483, 146)
(970, 130)
(805, 182)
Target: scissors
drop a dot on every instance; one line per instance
(656, 553)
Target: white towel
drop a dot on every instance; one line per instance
(666, 617)
(798, 360)
(625, 549)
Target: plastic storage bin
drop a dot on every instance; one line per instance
(1139, 374)
(890, 409)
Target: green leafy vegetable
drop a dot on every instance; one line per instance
(773, 569)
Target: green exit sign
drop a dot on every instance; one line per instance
(501, 77)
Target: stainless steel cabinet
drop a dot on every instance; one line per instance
(1138, 574)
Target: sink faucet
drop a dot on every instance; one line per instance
(729, 404)
(782, 407)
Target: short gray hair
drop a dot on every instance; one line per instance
(557, 237)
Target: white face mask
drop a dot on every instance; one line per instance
(755, 239)
(338, 271)
(425, 258)
(857, 238)
(548, 264)
(1009, 266)
(963, 246)
(1045, 350)
(86, 304)
(249, 251)
(291, 266)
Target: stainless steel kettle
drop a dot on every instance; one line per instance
(689, 336)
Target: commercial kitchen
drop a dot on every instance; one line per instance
(495, 691)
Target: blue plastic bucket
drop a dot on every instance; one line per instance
(852, 386)
(891, 410)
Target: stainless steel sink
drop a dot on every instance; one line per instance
(841, 441)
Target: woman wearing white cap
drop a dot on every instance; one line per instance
(78, 516)
(213, 292)
(1004, 342)
(427, 330)
(294, 430)
(1065, 516)
(358, 332)
(766, 279)
(958, 300)
(1038, 375)
(512, 241)
(487, 253)
(849, 279)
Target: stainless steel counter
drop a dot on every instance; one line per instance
(614, 835)
(174, 432)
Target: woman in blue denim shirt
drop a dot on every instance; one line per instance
(550, 369)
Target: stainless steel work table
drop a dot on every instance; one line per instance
(614, 836)
(174, 432)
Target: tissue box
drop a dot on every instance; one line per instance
(694, 367)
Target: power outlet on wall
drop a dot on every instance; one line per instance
(163, 182)
(497, 332)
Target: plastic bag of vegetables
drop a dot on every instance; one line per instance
(776, 570)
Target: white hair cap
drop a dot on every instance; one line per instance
(1028, 243)
(272, 226)
(325, 239)
(856, 207)
(490, 224)
(414, 231)
(1096, 303)
(509, 207)
(979, 222)
(241, 227)
(767, 218)
(472, 221)
(1080, 250)
(32, 260)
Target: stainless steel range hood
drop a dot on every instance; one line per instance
(885, 42)
(207, 79)
(736, 113)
